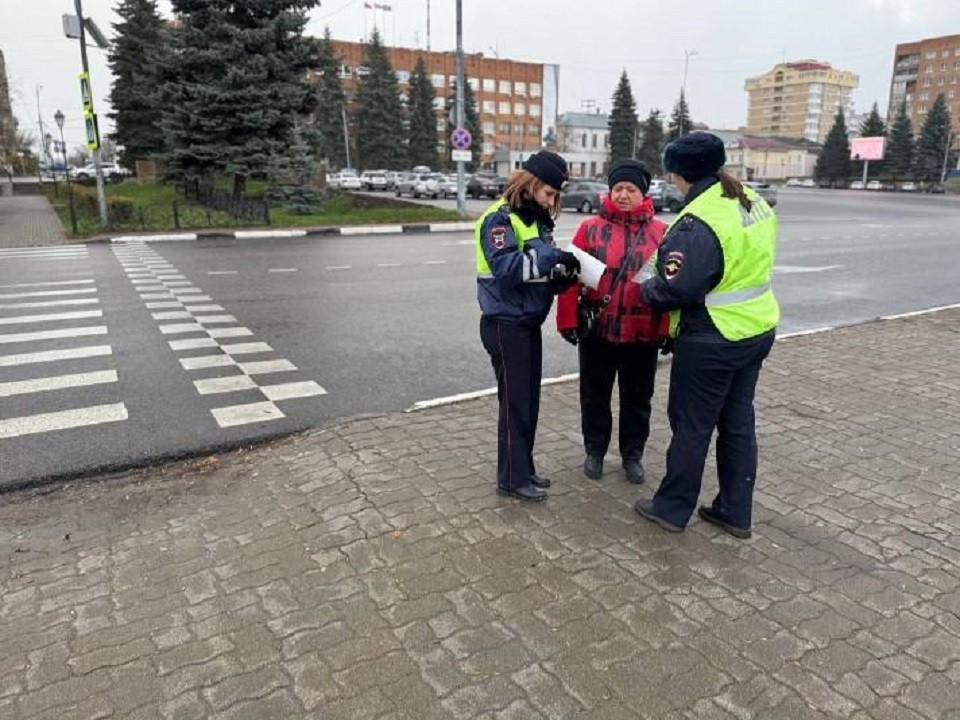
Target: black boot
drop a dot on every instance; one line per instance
(523, 493)
(540, 482)
(593, 467)
(634, 470)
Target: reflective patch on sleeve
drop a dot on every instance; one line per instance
(498, 236)
(672, 264)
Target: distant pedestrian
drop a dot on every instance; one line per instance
(712, 274)
(519, 270)
(618, 334)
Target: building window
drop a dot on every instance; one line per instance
(533, 130)
(452, 79)
(363, 70)
(503, 128)
(927, 82)
(535, 88)
(924, 96)
(594, 140)
(518, 130)
(504, 87)
(519, 109)
(437, 80)
(928, 70)
(583, 140)
(487, 147)
(441, 125)
(345, 71)
(488, 128)
(930, 54)
(473, 83)
(403, 76)
(957, 51)
(941, 80)
(489, 107)
(520, 88)
(504, 108)
(534, 111)
(439, 103)
(945, 53)
(489, 85)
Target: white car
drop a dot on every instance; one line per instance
(448, 186)
(111, 171)
(857, 185)
(908, 187)
(374, 180)
(808, 183)
(346, 179)
(874, 185)
(793, 182)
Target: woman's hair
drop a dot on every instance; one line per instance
(520, 189)
(733, 189)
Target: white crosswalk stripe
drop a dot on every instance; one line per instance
(175, 297)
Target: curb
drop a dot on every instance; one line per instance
(408, 229)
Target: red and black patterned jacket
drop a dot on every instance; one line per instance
(626, 318)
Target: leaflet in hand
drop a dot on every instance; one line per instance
(591, 269)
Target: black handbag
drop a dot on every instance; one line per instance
(588, 313)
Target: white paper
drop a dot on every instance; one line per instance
(591, 269)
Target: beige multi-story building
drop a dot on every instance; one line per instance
(799, 99)
(8, 125)
(517, 101)
(921, 71)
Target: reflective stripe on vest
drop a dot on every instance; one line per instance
(522, 232)
(742, 304)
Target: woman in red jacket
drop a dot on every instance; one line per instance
(628, 334)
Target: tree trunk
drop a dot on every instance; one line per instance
(239, 186)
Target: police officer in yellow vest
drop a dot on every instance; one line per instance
(519, 270)
(712, 274)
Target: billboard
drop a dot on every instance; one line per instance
(867, 148)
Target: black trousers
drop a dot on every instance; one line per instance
(712, 385)
(516, 352)
(634, 366)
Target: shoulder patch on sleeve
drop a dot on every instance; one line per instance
(498, 236)
(672, 264)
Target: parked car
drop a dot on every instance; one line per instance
(665, 196)
(373, 180)
(417, 185)
(808, 183)
(857, 185)
(583, 195)
(447, 186)
(346, 179)
(875, 185)
(908, 187)
(486, 185)
(392, 177)
(793, 182)
(764, 190)
(111, 172)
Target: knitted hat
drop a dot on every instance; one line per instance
(694, 156)
(631, 171)
(548, 167)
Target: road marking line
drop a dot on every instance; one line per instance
(245, 414)
(267, 366)
(164, 304)
(173, 315)
(49, 284)
(282, 270)
(62, 420)
(47, 293)
(372, 230)
(54, 334)
(206, 361)
(340, 267)
(246, 348)
(29, 255)
(215, 319)
(221, 272)
(54, 355)
(192, 344)
(229, 332)
(234, 383)
(156, 296)
(435, 262)
(177, 328)
(252, 234)
(59, 382)
(463, 397)
(291, 390)
(386, 265)
(179, 284)
(81, 249)
(78, 315)
(192, 298)
(796, 269)
(48, 303)
(920, 312)
(203, 308)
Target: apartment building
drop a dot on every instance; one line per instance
(7, 123)
(799, 99)
(517, 101)
(921, 71)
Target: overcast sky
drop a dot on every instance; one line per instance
(591, 41)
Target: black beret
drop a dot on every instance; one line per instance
(632, 171)
(694, 156)
(548, 167)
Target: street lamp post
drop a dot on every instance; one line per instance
(951, 136)
(687, 54)
(66, 171)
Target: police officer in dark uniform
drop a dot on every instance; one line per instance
(712, 274)
(519, 270)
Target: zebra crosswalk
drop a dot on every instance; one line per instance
(53, 353)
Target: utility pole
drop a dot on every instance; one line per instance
(428, 24)
(101, 196)
(461, 190)
(687, 54)
(41, 149)
(946, 155)
(346, 137)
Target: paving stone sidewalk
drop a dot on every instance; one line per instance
(28, 220)
(369, 570)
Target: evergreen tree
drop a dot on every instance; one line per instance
(834, 161)
(680, 121)
(932, 142)
(652, 142)
(327, 130)
(133, 60)
(898, 162)
(379, 121)
(422, 143)
(235, 82)
(471, 121)
(623, 121)
(873, 126)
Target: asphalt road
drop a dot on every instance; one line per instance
(307, 331)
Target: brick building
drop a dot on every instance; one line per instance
(921, 71)
(7, 123)
(799, 99)
(516, 101)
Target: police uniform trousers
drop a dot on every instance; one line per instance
(712, 385)
(634, 367)
(516, 351)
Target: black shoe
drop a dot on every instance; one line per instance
(634, 469)
(523, 493)
(540, 482)
(707, 514)
(644, 509)
(593, 467)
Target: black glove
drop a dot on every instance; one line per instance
(666, 346)
(569, 262)
(570, 335)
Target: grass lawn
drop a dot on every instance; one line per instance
(153, 211)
